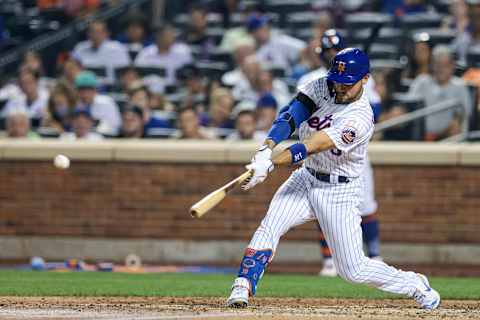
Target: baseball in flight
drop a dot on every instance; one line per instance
(61, 161)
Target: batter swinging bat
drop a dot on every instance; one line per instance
(214, 198)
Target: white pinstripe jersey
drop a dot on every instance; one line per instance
(350, 126)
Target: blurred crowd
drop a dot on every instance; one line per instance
(223, 70)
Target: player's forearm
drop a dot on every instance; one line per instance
(283, 158)
(318, 142)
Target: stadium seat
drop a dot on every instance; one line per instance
(383, 51)
(387, 35)
(100, 72)
(148, 71)
(210, 69)
(367, 20)
(420, 21)
(300, 20)
(216, 33)
(382, 64)
(473, 58)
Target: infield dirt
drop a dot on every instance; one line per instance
(152, 308)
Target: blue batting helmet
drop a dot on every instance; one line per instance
(332, 39)
(349, 66)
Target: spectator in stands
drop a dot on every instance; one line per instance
(135, 37)
(227, 8)
(139, 96)
(236, 35)
(61, 104)
(385, 86)
(219, 111)
(404, 7)
(132, 123)
(309, 60)
(246, 128)
(81, 8)
(102, 107)
(245, 88)
(277, 87)
(275, 49)
(442, 86)
(323, 23)
(33, 61)
(470, 39)
(195, 91)
(419, 61)
(196, 33)
(189, 125)
(32, 100)
(458, 18)
(266, 112)
(329, 44)
(128, 77)
(242, 50)
(166, 53)
(158, 102)
(82, 126)
(18, 126)
(70, 70)
(101, 52)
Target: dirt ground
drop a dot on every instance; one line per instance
(140, 308)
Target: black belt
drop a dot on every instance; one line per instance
(326, 177)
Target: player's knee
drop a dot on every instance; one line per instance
(351, 276)
(352, 272)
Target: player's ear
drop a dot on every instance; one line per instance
(365, 79)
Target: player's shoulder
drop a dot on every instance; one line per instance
(316, 89)
(361, 111)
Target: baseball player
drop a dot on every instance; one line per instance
(335, 123)
(330, 44)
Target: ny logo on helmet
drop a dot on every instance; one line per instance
(341, 67)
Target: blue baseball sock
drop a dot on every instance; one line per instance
(253, 266)
(371, 237)
(326, 253)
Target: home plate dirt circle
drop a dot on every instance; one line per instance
(153, 308)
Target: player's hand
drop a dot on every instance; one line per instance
(261, 165)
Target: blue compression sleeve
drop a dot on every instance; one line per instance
(299, 110)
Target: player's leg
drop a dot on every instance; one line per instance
(328, 268)
(336, 207)
(368, 207)
(371, 235)
(288, 208)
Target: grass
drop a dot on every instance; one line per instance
(31, 283)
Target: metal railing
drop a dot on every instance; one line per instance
(422, 113)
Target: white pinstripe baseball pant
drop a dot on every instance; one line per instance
(303, 198)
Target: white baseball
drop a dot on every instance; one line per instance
(61, 161)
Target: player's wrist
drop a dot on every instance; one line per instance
(298, 152)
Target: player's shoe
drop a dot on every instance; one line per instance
(239, 295)
(329, 269)
(426, 296)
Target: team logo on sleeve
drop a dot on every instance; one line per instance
(348, 135)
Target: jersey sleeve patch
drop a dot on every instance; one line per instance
(348, 134)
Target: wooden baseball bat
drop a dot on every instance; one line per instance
(214, 198)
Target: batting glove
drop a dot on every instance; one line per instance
(261, 165)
